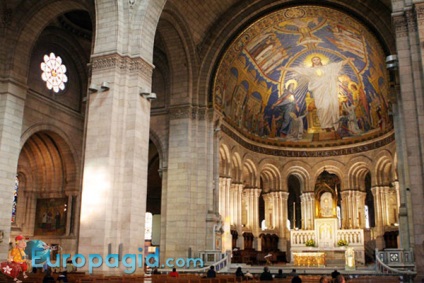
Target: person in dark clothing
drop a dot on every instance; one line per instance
(63, 277)
(334, 274)
(48, 278)
(296, 279)
(280, 274)
(293, 272)
(211, 272)
(266, 275)
(239, 274)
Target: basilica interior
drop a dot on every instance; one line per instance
(223, 127)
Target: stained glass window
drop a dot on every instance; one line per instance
(54, 72)
(15, 200)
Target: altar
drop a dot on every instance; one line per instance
(321, 239)
(325, 249)
(308, 259)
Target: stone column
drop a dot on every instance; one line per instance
(114, 188)
(252, 201)
(360, 200)
(268, 200)
(345, 209)
(190, 144)
(222, 196)
(308, 210)
(284, 232)
(303, 206)
(378, 193)
(12, 101)
(239, 206)
(409, 33)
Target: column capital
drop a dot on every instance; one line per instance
(400, 25)
(188, 111)
(121, 62)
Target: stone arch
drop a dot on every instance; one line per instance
(160, 147)
(224, 160)
(301, 173)
(35, 21)
(395, 165)
(250, 173)
(271, 178)
(50, 170)
(51, 162)
(236, 167)
(180, 56)
(383, 169)
(65, 145)
(358, 168)
(143, 17)
(332, 167)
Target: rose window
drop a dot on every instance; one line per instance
(54, 72)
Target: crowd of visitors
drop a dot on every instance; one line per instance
(266, 275)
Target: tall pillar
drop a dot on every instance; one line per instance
(307, 201)
(378, 194)
(239, 212)
(190, 153)
(284, 232)
(409, 34)
(114, 186)
(345, 209)
(222, 195)
(12, 101)
(252, 202)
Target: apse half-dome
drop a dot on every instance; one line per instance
(303, 76)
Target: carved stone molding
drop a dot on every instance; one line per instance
(122, 63)
(400, 25)
(183, 112)
(411, 18)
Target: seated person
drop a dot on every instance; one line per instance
(280, 274)
(63, 277)
(239, 274)
(296, 279)
(211, 272)
(334, 274)
(48, 278)
(249, 276)
(266, 275)
(174, 273)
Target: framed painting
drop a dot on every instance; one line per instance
(50, 218)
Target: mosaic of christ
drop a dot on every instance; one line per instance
(304, 74)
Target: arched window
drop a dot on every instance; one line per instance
(293, 205)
